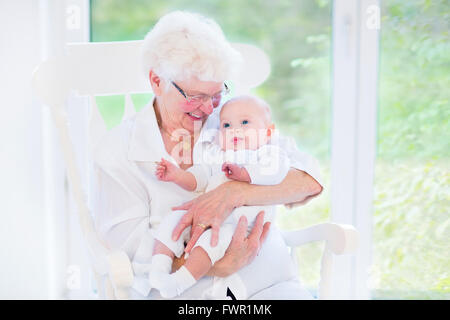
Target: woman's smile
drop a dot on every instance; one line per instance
(195, 116)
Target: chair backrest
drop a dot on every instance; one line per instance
(104, 68)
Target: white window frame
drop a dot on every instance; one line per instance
(353, 148)
(79, 282)
(62, 22)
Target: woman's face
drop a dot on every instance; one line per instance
(183, 114)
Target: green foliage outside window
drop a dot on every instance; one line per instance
(412, 181)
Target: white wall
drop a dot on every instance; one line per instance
(23, 254)
(36, 235)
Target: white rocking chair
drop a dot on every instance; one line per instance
(91, 69)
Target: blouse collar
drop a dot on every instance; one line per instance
(146, 143)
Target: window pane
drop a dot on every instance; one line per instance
(412, 179)
(296, 36)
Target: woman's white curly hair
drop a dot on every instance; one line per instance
(183, 45)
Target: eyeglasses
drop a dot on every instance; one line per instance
(202, 98)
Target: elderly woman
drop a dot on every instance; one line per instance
(187, 60)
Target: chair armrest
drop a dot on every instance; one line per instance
(341, 238)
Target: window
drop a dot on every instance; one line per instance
(412, 178)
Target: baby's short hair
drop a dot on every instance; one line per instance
(252, 98)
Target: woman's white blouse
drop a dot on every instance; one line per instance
(130, 201)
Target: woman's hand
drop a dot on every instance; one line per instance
(208, 211)
(242, 249)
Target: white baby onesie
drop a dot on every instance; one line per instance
(267, 165)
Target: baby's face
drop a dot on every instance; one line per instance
(244, 124)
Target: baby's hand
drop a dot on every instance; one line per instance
(166, 170)
(235, 172)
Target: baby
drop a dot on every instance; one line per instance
(244, 153)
